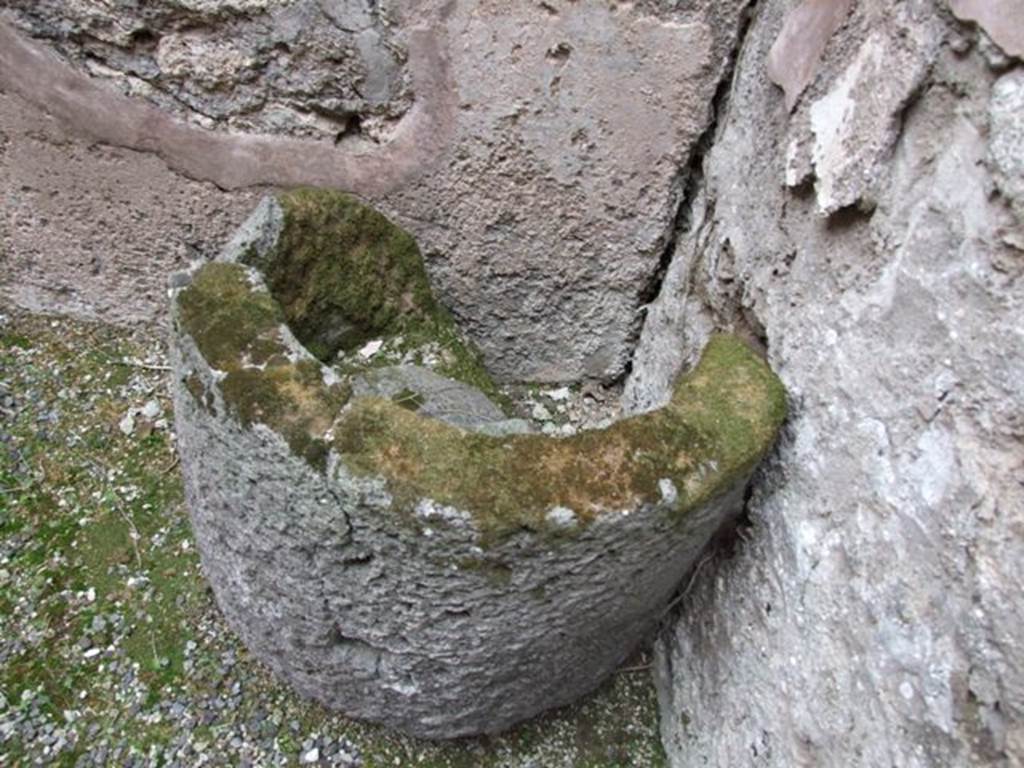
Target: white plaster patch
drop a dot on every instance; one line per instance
(428, 509)
(558, 395)
(934, 466)
(834, 125)
(370, 349)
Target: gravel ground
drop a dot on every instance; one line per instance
(112, 652)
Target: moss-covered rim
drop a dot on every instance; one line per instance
(239, 331)
(722, 419)
(343, 274)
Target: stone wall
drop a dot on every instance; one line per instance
(298, 67)
(540, 165)
(871, 613)
(93, 230)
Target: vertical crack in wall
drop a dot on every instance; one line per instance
(690, 180)
(697, 210)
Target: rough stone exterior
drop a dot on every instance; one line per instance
(299, 67)
(872, 614)
(413, 612)
(376, 619)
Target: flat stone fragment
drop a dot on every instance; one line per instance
(425, 392)
(405, 570)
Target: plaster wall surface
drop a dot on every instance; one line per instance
(93, 230)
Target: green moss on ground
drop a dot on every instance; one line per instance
(91, 528)
(96, 553)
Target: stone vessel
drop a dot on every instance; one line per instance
(405, 552)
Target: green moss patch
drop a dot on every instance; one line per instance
(228, 318)
(342, 273)
(237, 329)
(408, 399)
(722, 420)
